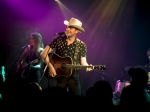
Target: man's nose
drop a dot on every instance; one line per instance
(67, 28)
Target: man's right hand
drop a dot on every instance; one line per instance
(52, 71)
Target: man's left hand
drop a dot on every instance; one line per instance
(89, 68)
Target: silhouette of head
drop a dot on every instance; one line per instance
(138, 76)
(103, 89)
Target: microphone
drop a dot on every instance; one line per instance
(25, 46)
(61, 33)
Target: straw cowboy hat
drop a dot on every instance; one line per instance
(75, 23)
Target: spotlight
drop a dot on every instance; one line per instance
(66, 22)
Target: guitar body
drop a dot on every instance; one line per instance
(22, 69)
(59, 63)
(25, 66)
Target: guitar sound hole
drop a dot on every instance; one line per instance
(63, 66)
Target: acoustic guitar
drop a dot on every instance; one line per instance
(24, 66)
(64, 65)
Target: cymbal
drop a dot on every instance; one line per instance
(142, 67)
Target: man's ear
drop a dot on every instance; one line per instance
(77, 31)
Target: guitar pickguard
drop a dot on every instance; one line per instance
(59, 65)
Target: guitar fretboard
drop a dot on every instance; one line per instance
(70, 66)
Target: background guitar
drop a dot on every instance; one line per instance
(24, 66)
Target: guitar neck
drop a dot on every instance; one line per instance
(70, 66)
(76, 66)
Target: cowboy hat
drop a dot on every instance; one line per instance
(75, 23)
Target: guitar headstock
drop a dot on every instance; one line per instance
(99, 67)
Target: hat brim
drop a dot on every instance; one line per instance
(79, 28)
(75, 26)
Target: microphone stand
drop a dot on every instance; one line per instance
(50, 57)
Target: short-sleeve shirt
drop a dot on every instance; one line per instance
(64, 50)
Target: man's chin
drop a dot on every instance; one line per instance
(67, 35)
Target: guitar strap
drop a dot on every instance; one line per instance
(76, 50)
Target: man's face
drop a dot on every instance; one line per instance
(148, 55)
(71, 31)
(149, 58)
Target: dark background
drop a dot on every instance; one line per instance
(117, 32)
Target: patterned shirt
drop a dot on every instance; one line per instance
(64, 50)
